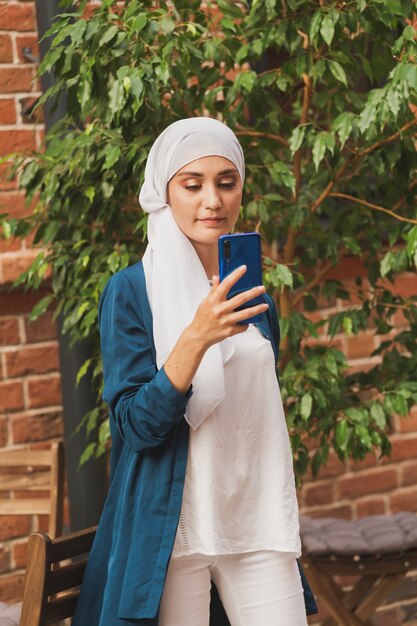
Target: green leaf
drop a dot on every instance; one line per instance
(88, 452)
(327, 29)
(319, 149)
(341, 434)
(109, 34)
(306, 406)
(112, 156)
(296, 139)
(83, 370)
(337, 71)
(342, 124)
(378, 414)
(139, 23)
(117, 96)
(40, 308)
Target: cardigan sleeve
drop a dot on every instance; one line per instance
(143, 402)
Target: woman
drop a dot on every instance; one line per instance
(202, 486)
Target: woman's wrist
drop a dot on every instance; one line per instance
(194, 341)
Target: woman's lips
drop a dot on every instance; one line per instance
(212, 221)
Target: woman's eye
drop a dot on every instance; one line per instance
(228, 185)
(193, 187)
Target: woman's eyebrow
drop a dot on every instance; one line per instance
(200, 175)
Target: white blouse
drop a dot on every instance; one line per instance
(239, 491)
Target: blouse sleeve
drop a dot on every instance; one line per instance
(143, 402)
(273, 321)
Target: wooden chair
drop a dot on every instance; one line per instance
(376, 575)
(54, 573)
(26, 474)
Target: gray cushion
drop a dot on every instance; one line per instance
(377, 534)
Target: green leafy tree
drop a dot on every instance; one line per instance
(321, 96)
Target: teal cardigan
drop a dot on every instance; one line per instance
(127, 565)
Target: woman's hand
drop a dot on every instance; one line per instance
(216, 317)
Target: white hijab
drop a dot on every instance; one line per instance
(176, 281)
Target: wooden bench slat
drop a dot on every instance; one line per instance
(80, 543)
(25, 506)
(61, 607)
(13, 458)
(66, 577)
(37, 481)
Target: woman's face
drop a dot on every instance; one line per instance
(205, 196)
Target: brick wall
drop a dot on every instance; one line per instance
(30, 396)
(30, 403)
(370, 487)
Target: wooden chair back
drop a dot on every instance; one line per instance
(54, 573)
(23, 471)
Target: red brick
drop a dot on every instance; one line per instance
(27, 41)
(17, 17)
(362, 367)
(370, 506)
(15, 79)
(14, 526)
(27, 110)
(404, 448)
(4, 559)
(408, 473)
(10, 245)
(404, 500)
(14, 204)
(3, 432)
(30, 428)
(365, 463)
(374, 481)
(9, 331)
(334, 467)
(32, 360)
(19, 302)
(16, 141)
(14, 264)
(45, 391)
(360, 346)
(11, 587)
(11, 396)
(5, 184)
(6, 52)
(407, 424)
(42, 329)
(405, 284)
(340, 511)
(317, 494)
(349, 269)
(7, 111)
(20, 551)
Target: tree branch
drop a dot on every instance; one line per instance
(254, 133)
(313, 283)
(376, 207)
(325, 193)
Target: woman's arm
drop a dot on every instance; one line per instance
(143, 402)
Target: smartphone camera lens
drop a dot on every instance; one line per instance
(227, 249)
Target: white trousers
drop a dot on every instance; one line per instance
(256, 588)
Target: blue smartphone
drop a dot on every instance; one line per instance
(242, 249)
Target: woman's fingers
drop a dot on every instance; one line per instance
(245, 296)
(228, 282)
(239, 316)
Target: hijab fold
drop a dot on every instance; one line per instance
(176, 281)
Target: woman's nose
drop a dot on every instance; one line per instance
(212, 198)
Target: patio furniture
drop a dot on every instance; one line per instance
(54, 573)
(379, 550)
(25, 470)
